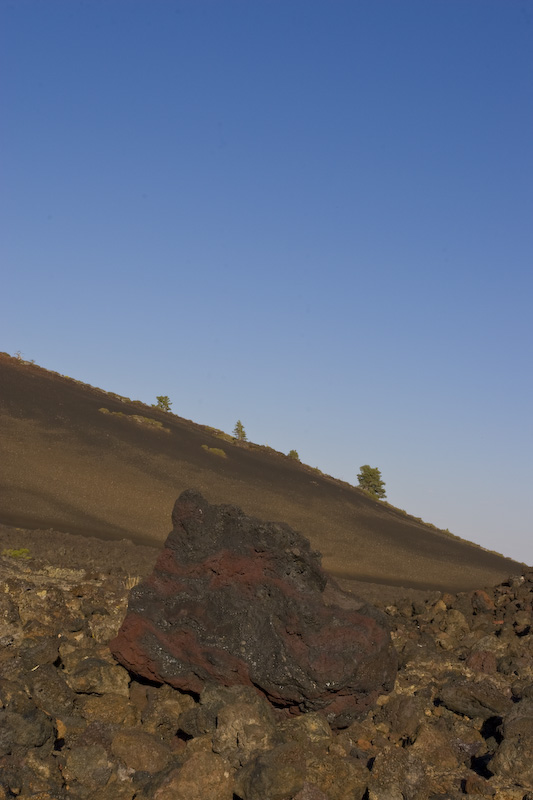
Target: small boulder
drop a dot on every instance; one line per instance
(277, 774)
(20, 732)
(513, 758)
(50, 691)
(88, 671)
(140, 751)
(245, 727)
(205, 776)
(481, 699)
(88, 765)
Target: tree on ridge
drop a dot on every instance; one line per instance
(163, 402)
(239, 432)
(370, 481)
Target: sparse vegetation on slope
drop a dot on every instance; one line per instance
(129, 479)
(215, 451)
(153, 423)
(21, 552)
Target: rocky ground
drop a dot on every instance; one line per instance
(75, 724)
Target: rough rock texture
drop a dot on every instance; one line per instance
(233, 600)
(68, 730)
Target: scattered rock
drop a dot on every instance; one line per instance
(88, 766)
(276, 774)
(140, 751)
(205, 776)
(74, 725)
(514, 757)
(481, 699)
(245, 726)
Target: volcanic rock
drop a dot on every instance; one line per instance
(480, 699)
(65, 737)
(204, 776)
(513, 758)
(236, 601)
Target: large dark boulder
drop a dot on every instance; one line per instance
(233, 600)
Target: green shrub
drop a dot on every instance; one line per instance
(218, 433)
(146, 421)
(153, 423)
(216, 451)
(294, 455)
(209, 429)
(22, 552)
(224, 436)
(113, 413)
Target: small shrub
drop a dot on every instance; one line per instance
(294, 455)
(22, 552)
(146, 421)
(112, 413)
(209, 429)
(215, 451)
(153, 423)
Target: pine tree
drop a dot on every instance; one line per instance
(370, 481)
(239, 432)
(163, 403)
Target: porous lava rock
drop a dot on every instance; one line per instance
(236, 601)
(68, 730)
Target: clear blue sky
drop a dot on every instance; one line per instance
(312, 215)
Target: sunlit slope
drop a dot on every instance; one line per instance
(65, 464)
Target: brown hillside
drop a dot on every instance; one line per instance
(67, 465)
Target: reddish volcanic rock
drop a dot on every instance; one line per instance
(233, 600)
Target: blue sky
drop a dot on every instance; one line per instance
(311, 215)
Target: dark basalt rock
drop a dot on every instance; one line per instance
(236, 601)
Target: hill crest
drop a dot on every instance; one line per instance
(79, 459)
